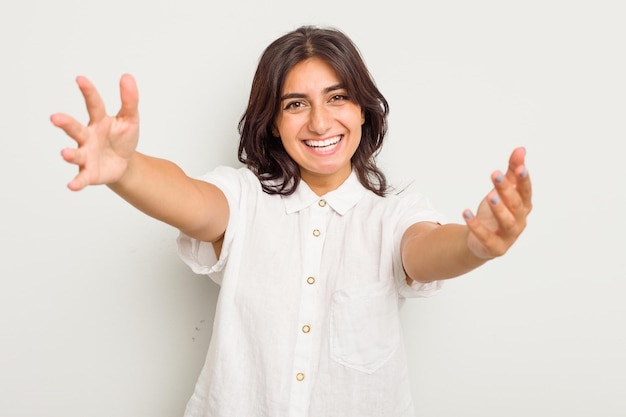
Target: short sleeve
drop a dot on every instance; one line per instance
(413, 208)
(419, 289)
(199, 255)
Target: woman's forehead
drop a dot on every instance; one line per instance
(311, 74)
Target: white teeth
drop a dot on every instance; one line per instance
(323, 143)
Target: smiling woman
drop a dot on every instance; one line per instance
(319, 125)
(312, 254)
(338, 77)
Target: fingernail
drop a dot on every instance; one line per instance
(524, 173)
(499, 178)
(468, 215)
(495, 199)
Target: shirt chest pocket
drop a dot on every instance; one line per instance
(365, 326)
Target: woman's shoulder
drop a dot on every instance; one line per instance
(225, 174)
(399, 204)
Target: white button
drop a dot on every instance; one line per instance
(306, 328)
(300, 376)
(316, 233)
(310, 280)
(322, 203)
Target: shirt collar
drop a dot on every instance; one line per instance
(341, 200)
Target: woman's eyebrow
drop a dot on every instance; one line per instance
(302, 95)
(333, 88)
(293, 95)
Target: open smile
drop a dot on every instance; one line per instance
(324, 145)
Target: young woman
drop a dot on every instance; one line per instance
(313, 254)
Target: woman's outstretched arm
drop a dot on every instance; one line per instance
(106, 154)
(431, 252)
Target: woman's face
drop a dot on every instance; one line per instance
(318, 124)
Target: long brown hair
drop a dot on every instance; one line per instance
(264, 154)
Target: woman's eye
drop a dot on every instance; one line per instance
(339, 97)
(294, 105)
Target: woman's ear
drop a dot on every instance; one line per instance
(362, 117)
(275, 132)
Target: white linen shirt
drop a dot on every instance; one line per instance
(307, 322)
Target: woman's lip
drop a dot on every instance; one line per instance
(323, 143)
(334, 144)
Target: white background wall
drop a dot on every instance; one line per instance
(98, 317)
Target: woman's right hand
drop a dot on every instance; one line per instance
(107, 143)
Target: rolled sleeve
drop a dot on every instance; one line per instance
(415, 209)
(420, 289)
(199, 255)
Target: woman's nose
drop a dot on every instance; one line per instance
(319, 120)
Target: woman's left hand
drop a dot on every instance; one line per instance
(501, 215)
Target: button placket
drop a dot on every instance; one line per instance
(306, 339)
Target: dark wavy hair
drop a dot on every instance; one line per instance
(264, 154)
